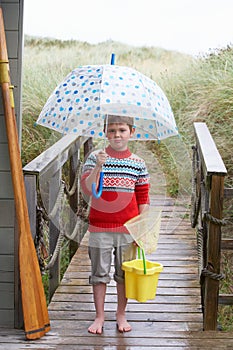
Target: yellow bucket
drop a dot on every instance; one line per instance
(141, 279)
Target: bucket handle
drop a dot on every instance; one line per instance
(140, 250)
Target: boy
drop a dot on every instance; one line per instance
(125, 195)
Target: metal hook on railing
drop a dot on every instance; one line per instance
(100, 189)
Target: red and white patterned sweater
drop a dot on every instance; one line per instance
(125, 187)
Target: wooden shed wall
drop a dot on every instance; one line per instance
(9, 299)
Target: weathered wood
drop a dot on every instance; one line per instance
(31, 193)
(54, 231)
(51, 160)
(211, 159)
(173, 320)
(225, 299)
(227, 244)
(213, 254)
(228, 192)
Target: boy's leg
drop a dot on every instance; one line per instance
(122, 253)
(122, 324)
(100, 269)
(99, 291)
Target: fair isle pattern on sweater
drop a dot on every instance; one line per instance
(120, 174)
(125, 188)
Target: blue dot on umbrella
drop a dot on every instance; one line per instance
(108, 100)
(75, 92)
(61, 109)
(75, 130)
(70, 109)
(81, 122)
(151, 126)
(123, 93)
(92, 132)
(59, 100)
(138, 136)
(146, 136)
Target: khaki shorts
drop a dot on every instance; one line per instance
(103, 246)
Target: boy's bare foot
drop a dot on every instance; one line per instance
(123, 325)
(96, 327)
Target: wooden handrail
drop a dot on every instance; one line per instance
(209, 178)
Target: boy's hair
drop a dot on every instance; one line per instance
(112, 119)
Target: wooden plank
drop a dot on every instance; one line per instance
(7, 213)
(4, 157)
(225, 299)
(228, 192)
(6, 190)
(7, 240)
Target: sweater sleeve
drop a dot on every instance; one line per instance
(142, 186)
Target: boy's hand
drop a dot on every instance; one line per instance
(101, 158)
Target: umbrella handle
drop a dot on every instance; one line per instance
(100, 190)
(113, 59)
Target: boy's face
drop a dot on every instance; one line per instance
(118, 135)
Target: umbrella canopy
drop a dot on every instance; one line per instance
(81, 102)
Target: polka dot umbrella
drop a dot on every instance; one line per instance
(81, 102)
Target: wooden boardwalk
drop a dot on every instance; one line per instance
(172, 321)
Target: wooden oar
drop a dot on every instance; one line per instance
(35, 313)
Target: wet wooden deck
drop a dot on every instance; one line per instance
(172, 321)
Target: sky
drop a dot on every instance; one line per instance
(188, 26)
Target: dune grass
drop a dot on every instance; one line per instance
(199, 89)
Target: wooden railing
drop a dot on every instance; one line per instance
(207, 209)
(43, 180)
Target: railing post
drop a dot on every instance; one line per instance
(213, 253)
(73, 200)
(54, 231)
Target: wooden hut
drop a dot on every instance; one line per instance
(9, 271)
